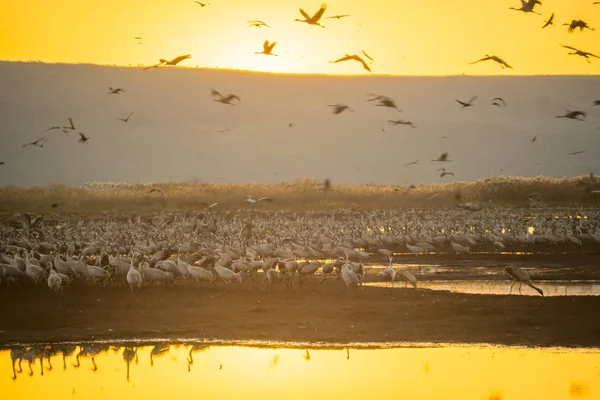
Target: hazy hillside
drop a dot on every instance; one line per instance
(173, 133)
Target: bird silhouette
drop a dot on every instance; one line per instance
(383, 101)
(126, 119)
(339, 108)
(267, 49)
(156, 190)
(596, 103)
(402, 122)
(411, 163)
(442, 158)
(527, 6)
(498, 101)
(52, 128)
(549, 22)
(115, 91)
(581, 53)
(37, 143)
(339, 16)
(83, 138)
(257, 23)
(314, 20)
(576, 152)
(534, 139)
(573, 115)
(354, 57)
(71, 125)
(174, 61)
(368, 56)
(202, 4)
(224, 99)
(500, 61)
(468, 103)
(443, 174)
(578, 23)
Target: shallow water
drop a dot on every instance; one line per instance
(550, 288)
(248, 372)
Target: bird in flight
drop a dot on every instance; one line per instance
(576, 152)
(383, 101)
(578, 23)
(339, 16)
(443, 158)
(596, 103)
(314, 20)
(206, 205)
(202, 4)
(72, 126)
(534, 139)
(115, 91)
(253, 202)
(354, 57)
(549, 22)
(467, 104)
(155, 190)
(256, 23)
(498, 101)
(444, 173)
(402, 122)
(444, 137)
(37, 143)
(573, 115)
(52, 128)
(2, 163)
(411, 163)
(527, 6)
(500, 61)
(83, 138)
(581, 53)
(125, 119)
(267, 49)
(368, 56)
(339, 108)
(174, 61)
(224, 99)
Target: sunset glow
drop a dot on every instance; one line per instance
(404, 37)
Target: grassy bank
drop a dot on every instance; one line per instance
(300, 195)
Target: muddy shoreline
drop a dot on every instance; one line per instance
(322, 313)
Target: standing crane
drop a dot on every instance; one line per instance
(521, 276)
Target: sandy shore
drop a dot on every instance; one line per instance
(321, 313)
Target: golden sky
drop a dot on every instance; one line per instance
(435, 37)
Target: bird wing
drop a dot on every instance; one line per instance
(319, 13)
(365, 65)
(472, 99)
(460, 102)
(82, 136)
(568, 47)
(179, 59)
(270, 48)
(345, 58)
(482, 59)
(231, 97)
(434, 196)
(266, 46)
(213, 92)
(264, 199)
(130, 114)
(593, 55)
(71, 122)
(304, 14)
(366, 55)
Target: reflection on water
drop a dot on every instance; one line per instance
(243, 372)
(550, 288)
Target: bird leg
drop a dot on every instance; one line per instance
(511, 287)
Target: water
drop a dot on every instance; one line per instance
(550, 288)
(260, 372)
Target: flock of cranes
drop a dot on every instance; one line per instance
(270, 249)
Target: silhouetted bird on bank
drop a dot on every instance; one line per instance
(354, 57)
(267, 49)
(468, 103)
(500, 61)
(224, 99)
(314, 20)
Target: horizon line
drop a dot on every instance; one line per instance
(240, 70)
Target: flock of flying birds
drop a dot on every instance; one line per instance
(379, 100)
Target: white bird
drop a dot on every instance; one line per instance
(134, 278)
(228, 275)
(253, 202)
(388, 274)
(521, 276)
(55, 283)
(349, 277)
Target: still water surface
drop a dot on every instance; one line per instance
(160, 370)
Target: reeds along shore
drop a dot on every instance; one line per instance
(301, 194)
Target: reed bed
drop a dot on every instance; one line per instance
(301, 194)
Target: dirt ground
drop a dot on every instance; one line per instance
(323, 313)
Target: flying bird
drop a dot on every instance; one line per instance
(405, 191)
(52, 128)
(354, 57)
(549, 22)
(534, 139)
(267, 49)
(174, 61)
(256, 23)
(581, 53)
(527, 6)
(339, 16)
(402, 122)
(339, 108)
(253, 202)
(573, 115)
(498, 101)
(411, 163)
(125, 119)
(72, 126)
(314, 20)
(368, 56)
(500, 61)
(115, 91)
(576, 152)
(443, 174)
(38, 143)
(468, 103)
(383, 101)
(443, 158)
(596, 103)
(202, 4)
(206, 205)
(155, 190)
(578, 23)
(83, 138)
(224, 99)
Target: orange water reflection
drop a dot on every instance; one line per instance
(240, 372)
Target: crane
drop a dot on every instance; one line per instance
(521, 276)
(314, 20)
